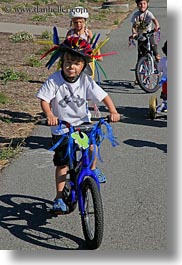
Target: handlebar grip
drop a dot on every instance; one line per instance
(108, 119)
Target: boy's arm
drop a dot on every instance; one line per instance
(114, 115)
(134, 31)
(156, 23)
(51, 119)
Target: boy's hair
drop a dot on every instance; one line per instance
(138, 1)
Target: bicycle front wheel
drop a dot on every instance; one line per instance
(92, 219)
(147, 75)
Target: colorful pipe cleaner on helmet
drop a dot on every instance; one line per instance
(88, 50)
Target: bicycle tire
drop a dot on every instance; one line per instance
(92, 197)
(148, 82)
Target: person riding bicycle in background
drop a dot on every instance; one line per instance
(162, 68)
(79, 16)
(64, 96)
(78, 25)
(142, 21)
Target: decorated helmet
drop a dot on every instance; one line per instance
(78, 46)
(79, 11)
(138, 1)
(75, 45)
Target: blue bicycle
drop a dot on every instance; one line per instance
(82, 185)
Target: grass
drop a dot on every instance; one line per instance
(3, 98)
(33, 61)
(21, 37)
(7, 120)
(12, 75)
(42, 17)
(46, 35)
(11, 150)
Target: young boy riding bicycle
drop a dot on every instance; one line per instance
(142, 21)
(64, 96)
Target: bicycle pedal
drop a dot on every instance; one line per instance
(57, 212)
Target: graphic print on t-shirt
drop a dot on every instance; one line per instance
(72, 98)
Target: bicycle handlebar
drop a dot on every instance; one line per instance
(86, 126)
(145, 34)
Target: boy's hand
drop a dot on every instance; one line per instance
(114, 117)
(52, 120)
(156, 29)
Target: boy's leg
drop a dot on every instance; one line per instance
(100, 175)
(154, 48)
(60, 175)
(59, 206)
(60, 161)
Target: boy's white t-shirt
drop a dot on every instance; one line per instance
(69, 101)
(138, 17)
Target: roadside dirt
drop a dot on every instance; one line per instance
(21, 110)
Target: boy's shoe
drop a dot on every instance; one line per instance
(59, 207)
(162, 107)
(100, 175)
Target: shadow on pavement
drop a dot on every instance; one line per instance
(143, 143)
(138, 115)
(26, 217)
(36, 142)
(121, 86)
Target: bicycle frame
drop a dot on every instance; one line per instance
(85, 171)
(148, 49)
(81, 168)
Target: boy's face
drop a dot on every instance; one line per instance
(72, 65)
(143, 5)
(78, 23)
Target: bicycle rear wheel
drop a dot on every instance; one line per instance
(92, 219)
(147, 80)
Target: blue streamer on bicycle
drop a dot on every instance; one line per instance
(58, 143)
(59, 130)
(110, 135)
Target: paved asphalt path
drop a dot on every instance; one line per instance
(135, 195)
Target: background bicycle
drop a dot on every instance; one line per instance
(146, 67)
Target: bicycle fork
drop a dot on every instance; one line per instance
(151, 64)
(84, 172)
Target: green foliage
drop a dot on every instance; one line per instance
(12, 75)
(46, 35)
(39, 18)
(21, 37)
(6, 1)
(33, 61)
(11, 150)
(3, 98)
(116, 22)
